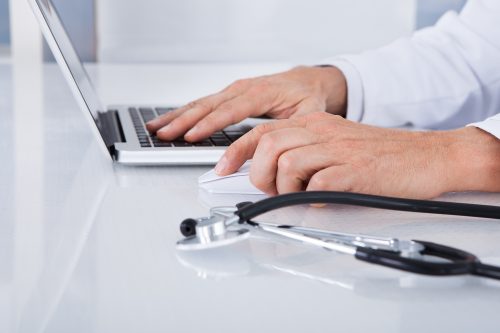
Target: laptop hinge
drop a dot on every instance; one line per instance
(111, 129)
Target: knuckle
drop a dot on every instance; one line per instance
(319, 182)
(192, 104)
(201, 104)
(267, 143)
(262, 129)
(240, 84)
(346, 185)
(231, 118)
(286, 163)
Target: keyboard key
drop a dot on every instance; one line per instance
(162, 144)
(162, 111)
(182, 144)
(220, 142)
(203, 144)
(147, 114)
(234, 137)
(143, 115)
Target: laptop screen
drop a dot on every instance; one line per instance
(66, 55)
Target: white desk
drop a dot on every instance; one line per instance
(86, 246)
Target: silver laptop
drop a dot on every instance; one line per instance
(121, 129)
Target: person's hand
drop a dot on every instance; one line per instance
(298, 91)
(325, 152)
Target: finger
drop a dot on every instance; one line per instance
(192, 110)
(243, 149)
(340, 178)
(236, 88)
(296, 166)
(267, 160)
(183, 122)
(157, 123)
(227, 113)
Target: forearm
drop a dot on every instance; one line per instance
(473, 161)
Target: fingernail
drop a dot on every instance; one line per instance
(221, 165)
(164, 130)
(192, 131)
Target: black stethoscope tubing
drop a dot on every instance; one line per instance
(252, 210)
(458, 262)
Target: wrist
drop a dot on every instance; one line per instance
(475, 159)
(334, 89)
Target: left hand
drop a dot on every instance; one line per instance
(326, 152)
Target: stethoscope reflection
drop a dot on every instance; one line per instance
(260, 256)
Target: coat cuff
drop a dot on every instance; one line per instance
(490, 125)
(354, 110)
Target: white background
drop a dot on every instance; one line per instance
(241, 30)
(224, 30)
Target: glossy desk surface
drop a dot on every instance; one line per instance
(88, 246)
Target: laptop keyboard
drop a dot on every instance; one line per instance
(140, 116)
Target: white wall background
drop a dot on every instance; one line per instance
(242, 30)
(234, 30)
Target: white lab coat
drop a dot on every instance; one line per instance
(442, 77)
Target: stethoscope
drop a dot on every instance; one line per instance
(228, 225)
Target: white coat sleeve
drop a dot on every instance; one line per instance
(442, 77)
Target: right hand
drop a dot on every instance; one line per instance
(296, 92)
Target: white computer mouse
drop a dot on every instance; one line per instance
(236, 183)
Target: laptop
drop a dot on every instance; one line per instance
(121, 129)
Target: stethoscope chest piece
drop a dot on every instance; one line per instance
(210, 232)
